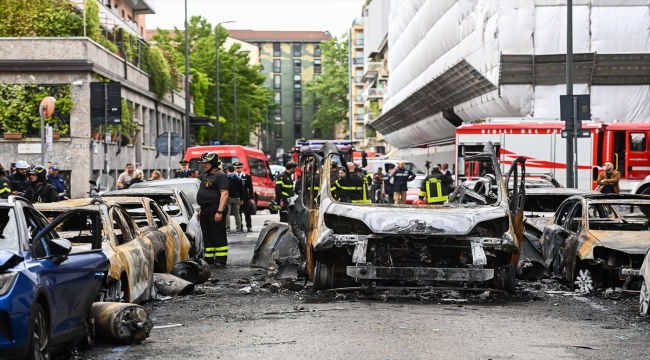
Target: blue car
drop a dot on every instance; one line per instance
(46, 292)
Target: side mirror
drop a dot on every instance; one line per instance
(92, 182)
(60, 249)
(364, 159)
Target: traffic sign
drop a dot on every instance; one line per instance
(580, 133)
(98, 100)
(165, 140)
(566, 107)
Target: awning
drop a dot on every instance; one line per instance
(201, 121)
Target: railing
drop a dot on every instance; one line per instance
(359, 134)
(359, 117)
(357, 21)
(358, 42)
(358, 99)
(108, 19)
(378, 93)
(358, 80)
(357, 61)
(373, 66)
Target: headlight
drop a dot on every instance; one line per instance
(7, 280)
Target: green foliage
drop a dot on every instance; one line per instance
(155, 64)
(39, 18)
(374, 109)
(330, 90)
(19, 107)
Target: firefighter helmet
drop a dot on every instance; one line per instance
(210, 157)
(39, 171)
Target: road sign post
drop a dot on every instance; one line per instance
(105, 108)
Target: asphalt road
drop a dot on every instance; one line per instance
(234, 316)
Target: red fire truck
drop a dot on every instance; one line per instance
(541, 143)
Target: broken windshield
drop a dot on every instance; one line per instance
(8, 230)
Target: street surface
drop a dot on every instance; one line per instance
(236, 316)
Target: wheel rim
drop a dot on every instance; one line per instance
(644, 299)
(41, 339)
(584, 282)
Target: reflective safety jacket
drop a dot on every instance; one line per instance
(435, 188)
(284, 186)
(352, 188)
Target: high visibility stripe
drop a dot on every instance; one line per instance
(286, 194)
(221, 254)
(360, 201)
(439, 197)
(222, 248)
(421, 193)
(6, 189)
(209, 255)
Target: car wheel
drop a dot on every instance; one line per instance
(644, 209)
(88, 341)
(116, 292)
(322, 276)
(644, 299)
(39, 347)
(584, 282)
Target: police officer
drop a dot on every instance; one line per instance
(184, 172)
(435, 187)
(351, 188)
(212, 197)
(284, 189)
(40, 190)
(57, 181)
(248, 194)
(19, 180)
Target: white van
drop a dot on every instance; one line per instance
(375, 163)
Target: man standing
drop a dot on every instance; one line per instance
(184, 172)
(19, 180)
(194, 174)
(284, 189)
(435, 187)
(40, 191)
(124, 180)
(235, 188)
(388, 187)
(399, 179)
(248, 194)
(212, 197)
(57, 181)
(445, 169)
(608, 180)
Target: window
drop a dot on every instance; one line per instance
(257, 166)
(297, 98)
(637, 142)
(121, 230)
(297, 114)
(297, 82)
(276, 65)
(317, 50)
(278, 97)
(276, 49)
(158, 216)
(278, 131)
(297, 49)
(317, 66)
(188, 205)
(277, 81)
(297, 131)
(297, 66)
(563, 212)
(277, 115)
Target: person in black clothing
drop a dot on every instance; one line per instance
(19, 180)
(284, 189)
(388, 187)
(334, 172)
(41, 191)
(184, 172)
(5, 184)
(235, 190)
(435, 187)
(248, 195)
(351, 188)
(212, 197)
(399, 179)
(138, 177)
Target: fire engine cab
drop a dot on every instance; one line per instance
(540, 142)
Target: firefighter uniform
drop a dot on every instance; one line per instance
(248, 193)
(351, 188)
(214, 233)
(435, 187)
(284, 191)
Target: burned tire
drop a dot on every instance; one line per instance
(505, 278)
(39, 340)
(644, 209)
(88, 340)
(584, 282)
(644, 299)
(323, 275)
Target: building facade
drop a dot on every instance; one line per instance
(72, 63)
(357, 60)
(289, 59)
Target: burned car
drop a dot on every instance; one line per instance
(177, 206)
(644, 293)
(590, 243)
(471, 242)
(93, 223)
(541, 204)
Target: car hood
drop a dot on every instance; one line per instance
(430, 220)
(629, 242)
(538, 223)
(9, 259)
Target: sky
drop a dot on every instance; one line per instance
(335, 16)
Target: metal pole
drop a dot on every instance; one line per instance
(218, 138)
(350, 86)
(575, 142)
(248, 141)
(569, 91)
(105, 128)
(268, 131)
(169, 155)
(234, 81)
(41, 111)
(187, 82)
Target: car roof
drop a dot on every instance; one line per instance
(558, 191)
(171, 182)
(81, 204)
(599, 196)
(142, 192)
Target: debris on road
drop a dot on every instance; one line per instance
(166, 326)
(168, 284)
(196, 271)
(125, 323)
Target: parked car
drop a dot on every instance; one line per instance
(177, 206)
(591, 244)
(95, 223)
(189, 186)
(644, 293)
(40, 309)
(169, 241)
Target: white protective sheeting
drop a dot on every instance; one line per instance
(434, 127)
(550, 30)
(625, 103)
(620, 29)
(515, 101)
(547, 99)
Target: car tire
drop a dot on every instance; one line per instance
(88, 341)
(644, 209)
(39, 341)
(644, 299)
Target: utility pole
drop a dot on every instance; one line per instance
(187, 82)
(570, 161)
(248, 141)
(234, 82)
(350, 85)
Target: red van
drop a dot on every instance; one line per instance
(254, 162)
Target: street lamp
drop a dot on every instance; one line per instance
(234, 81)
(216, 37)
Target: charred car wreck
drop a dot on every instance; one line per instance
(470, 242)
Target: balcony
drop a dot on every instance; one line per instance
(383, 72)
(372, 69)
(369, 117)
(373, 93)
(357, 61)
(359, 134)
(359, 117)
(358, 99)
(109, 19)
(358, 42)
(357, 21)
(358, 80)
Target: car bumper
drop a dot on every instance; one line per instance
(419, 273)
(14, 318)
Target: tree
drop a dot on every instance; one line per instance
(330, 90)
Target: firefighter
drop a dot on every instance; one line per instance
(40, 190)
(248, 194)
(284, 189)
(313, 184)
(351, 188)
(435, 187)
(212, 197)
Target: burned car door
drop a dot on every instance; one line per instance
(517, 199)
(556, 235)
(176, 244)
